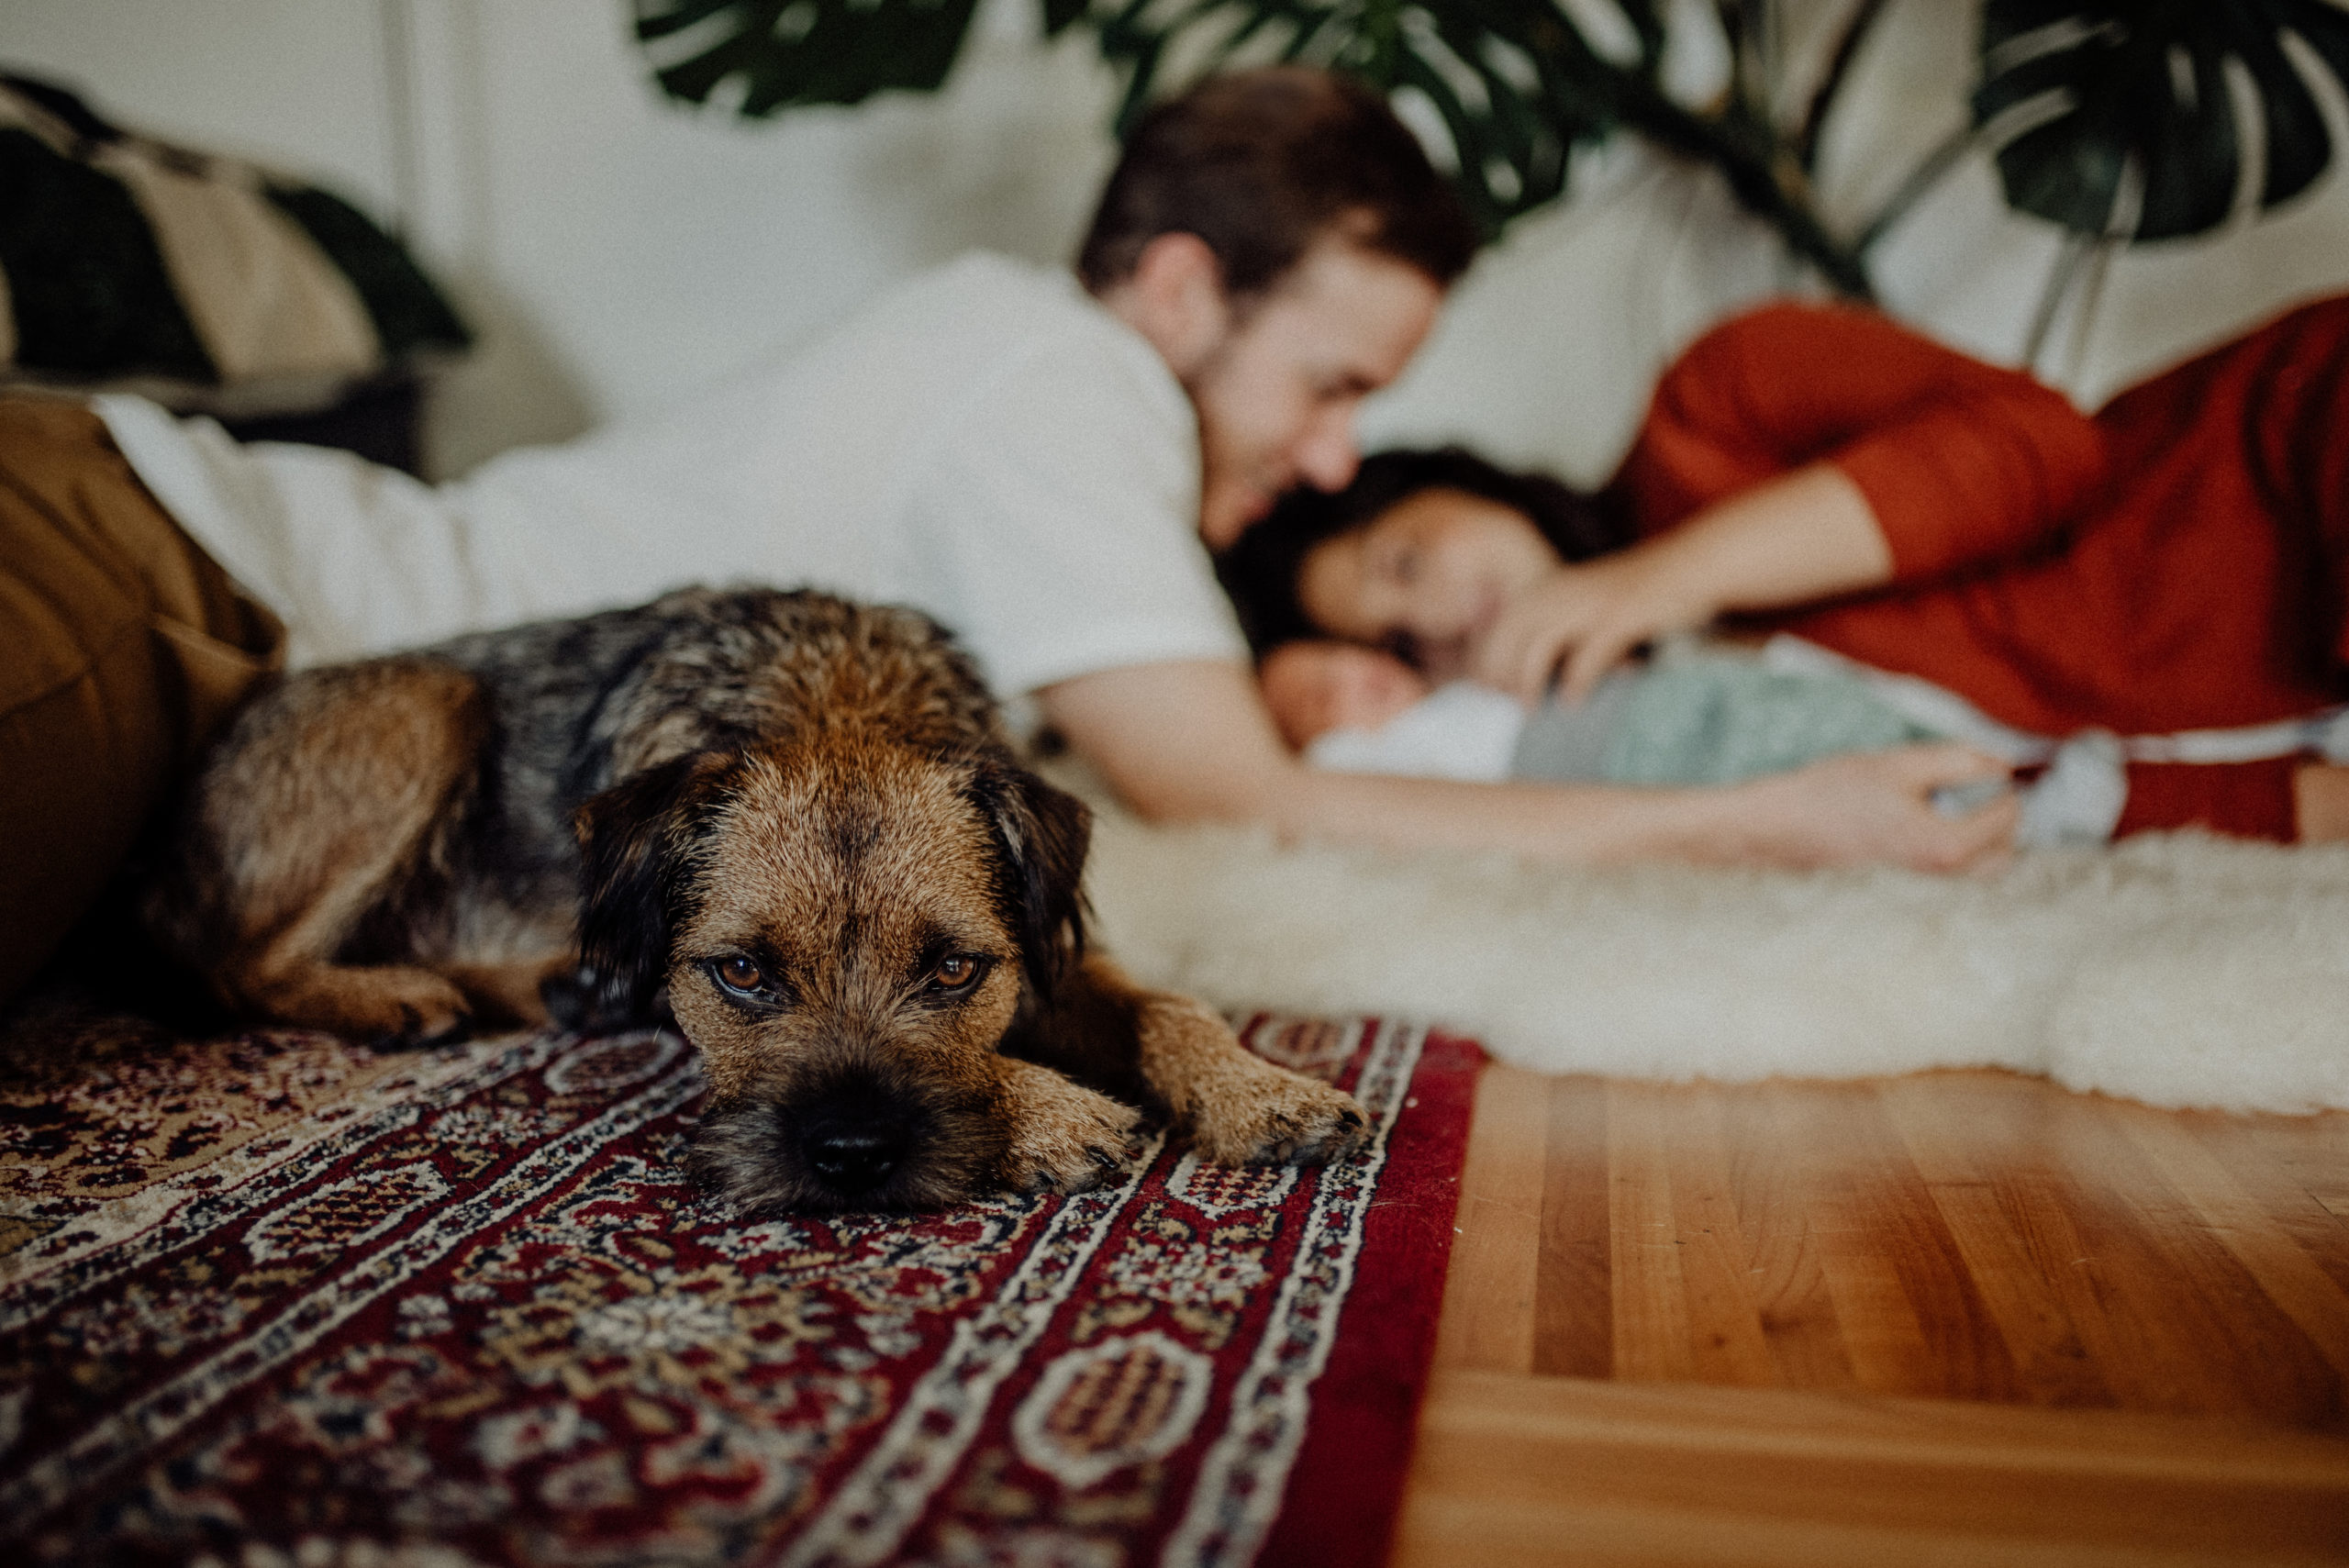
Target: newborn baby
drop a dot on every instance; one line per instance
(1354, 709)
(1691, 716)
(1687, 718)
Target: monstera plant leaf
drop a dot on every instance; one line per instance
(1516, 83)
(2106, 85)
(787, 53)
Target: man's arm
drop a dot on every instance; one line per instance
(2321, 803)
(1192, 741)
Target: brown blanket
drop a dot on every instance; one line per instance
(122, 647)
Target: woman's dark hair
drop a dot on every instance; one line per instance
(1261, 571)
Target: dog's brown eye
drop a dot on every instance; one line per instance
(739, 973)
(956, 971)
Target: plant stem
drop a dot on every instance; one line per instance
(1765, 179)
(1847, 48)
(1922, 179)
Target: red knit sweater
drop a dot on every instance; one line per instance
(2180, 561)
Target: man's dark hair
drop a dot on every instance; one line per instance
(1261, 570)
(1260, 164)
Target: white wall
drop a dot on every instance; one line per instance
(636, 249)
(618, 249)
(295, 81)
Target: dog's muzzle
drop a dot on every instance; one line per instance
(854, 1138)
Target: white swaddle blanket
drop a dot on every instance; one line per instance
(1461, 731)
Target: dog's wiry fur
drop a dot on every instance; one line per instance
(800, 816)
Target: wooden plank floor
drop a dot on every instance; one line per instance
(1956, 1316)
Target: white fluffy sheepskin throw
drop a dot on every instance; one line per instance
(2179, 970)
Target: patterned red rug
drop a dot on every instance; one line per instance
(273, 1300)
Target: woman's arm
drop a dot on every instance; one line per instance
(1191, 741)
(1794, 454)
(1961, 462)
(1789, 540)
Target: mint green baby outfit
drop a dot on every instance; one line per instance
(1701, 717)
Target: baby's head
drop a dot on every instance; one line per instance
(1417, 555)
(1316, 686)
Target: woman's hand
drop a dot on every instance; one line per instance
(1793, 540)
(1588, 618)
(1879, 807)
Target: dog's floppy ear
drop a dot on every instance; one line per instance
(636, 842)
(1041, 834)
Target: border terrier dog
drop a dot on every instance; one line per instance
(802, 817)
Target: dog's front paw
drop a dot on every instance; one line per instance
(1282, 1118)
(1064, 1137)
(1238, 1108)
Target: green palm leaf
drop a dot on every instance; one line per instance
(2107, 85)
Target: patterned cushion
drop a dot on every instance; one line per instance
(125, 257)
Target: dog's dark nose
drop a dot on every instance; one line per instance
(854, 1159)
(856, 1134)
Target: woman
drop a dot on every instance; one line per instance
(2177, 563)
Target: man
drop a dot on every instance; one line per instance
(1041, 463)
(1275, 370)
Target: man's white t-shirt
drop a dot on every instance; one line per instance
(985, 443)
